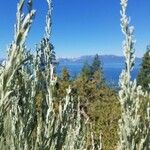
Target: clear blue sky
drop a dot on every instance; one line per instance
(80, 27)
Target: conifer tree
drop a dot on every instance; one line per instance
(63, 83)
(86, 71)
(96, 69)
(144, 73)
(65, 76)
(96, 65)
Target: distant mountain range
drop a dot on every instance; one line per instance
(89, 59)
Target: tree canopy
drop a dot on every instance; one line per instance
(144, 73)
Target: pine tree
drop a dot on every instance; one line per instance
(96, 69)
(96, 65)
(86, 71)
(65, 76)
(144, 73)
(63, 83)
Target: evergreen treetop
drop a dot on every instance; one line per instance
(96, 65)
(65, 76)
(143, 78)
(86, 71)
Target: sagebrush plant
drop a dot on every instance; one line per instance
(132, 133)
(29, 115)
(9, 74)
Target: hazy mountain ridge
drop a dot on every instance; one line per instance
(103, 58)
(89, 58)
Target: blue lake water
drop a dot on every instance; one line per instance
(111, 71)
